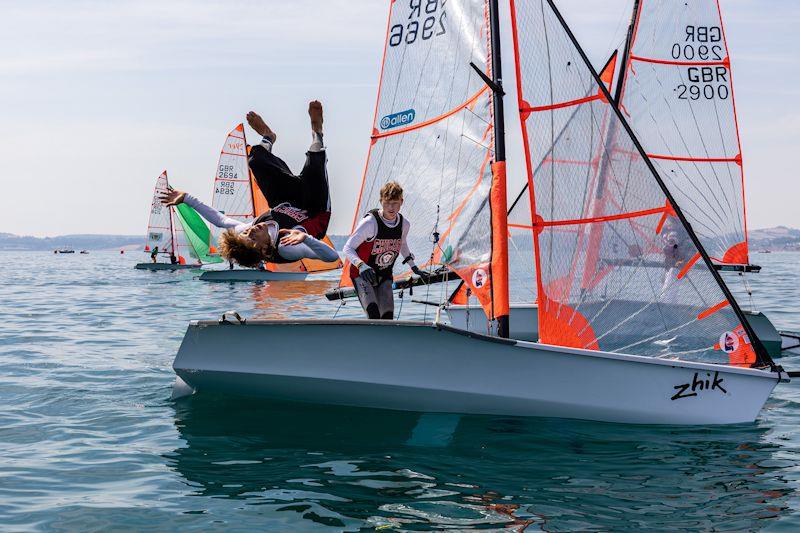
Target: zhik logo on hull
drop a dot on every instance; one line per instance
(395, 120)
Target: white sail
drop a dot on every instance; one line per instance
(678, 97)
(159, 227)
(433, 133)
(233, 193)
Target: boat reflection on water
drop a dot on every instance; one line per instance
(358, 468)
(287, 299)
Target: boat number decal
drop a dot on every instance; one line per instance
(403, 118)
(702, 43)
(699, 384)
(729, 342)
(427, 19)
(479, 278)
(227, 172)
(225, 187)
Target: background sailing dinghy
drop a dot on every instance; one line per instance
(620, 339)
(177, 232)
(236, 194)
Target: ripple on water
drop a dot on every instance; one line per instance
(90, 441)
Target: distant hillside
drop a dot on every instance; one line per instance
(9, 241)
(780, 238)
(776, 239)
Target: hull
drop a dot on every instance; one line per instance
(523, 320)
(251, 275)
(163, 266)
(420, 367)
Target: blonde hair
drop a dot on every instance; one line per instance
(391, 191)
(238, 248)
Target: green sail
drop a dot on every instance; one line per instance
(197, 233)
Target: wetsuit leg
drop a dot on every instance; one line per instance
(368, 298)
(274, 178)
(314, 177)
(385, 298)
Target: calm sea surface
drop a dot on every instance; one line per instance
(89, 439)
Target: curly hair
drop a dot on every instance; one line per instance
(391, 191)
(238, 248)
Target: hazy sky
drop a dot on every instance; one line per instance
(97, 97)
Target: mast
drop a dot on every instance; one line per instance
(623, 68)
(499, 203)
(762, 355)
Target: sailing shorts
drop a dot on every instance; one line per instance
(377, 300)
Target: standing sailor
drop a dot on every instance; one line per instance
(153, 254)
(372, 250)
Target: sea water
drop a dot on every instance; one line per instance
(89, 439)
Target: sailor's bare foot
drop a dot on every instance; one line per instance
(315, 112)
(258, 124)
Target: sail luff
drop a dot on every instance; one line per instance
(762, 356)
(498, 194)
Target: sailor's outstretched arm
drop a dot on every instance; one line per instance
(307, 248)
(214, 217)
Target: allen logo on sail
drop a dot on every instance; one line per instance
(403, 118)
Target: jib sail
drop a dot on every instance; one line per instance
(618, 268)
(433, 132)
(678, 97)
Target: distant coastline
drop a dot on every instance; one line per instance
(777, 239)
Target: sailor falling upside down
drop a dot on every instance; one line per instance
(300, 211)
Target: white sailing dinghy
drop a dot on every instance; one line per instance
(161, 232)
(237, 195)
(638, 345)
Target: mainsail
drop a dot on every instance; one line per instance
(159, 226)
(433, 132)
(618, 267)
(237, 195)
(677, 94)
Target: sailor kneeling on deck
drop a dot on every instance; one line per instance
(372, 250)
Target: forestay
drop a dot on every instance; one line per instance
(617, 270)
(159, 226)
(678, 97)
(433, 133)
